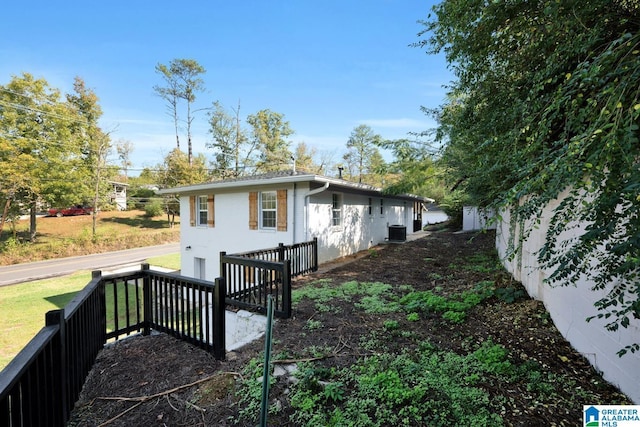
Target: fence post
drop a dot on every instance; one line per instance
(102, 297)
(223, 272)
(59, 368)
(146, 300)
(280, 252)
(286, 289)
(219, 310)
(315, 254)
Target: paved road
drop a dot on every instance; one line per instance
(57, 267)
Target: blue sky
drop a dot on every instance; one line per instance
(328, 66)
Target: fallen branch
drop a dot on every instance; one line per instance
(313, 359)
(142, 399)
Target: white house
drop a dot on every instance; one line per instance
(257, 212)
(118, 195)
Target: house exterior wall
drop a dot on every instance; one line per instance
(308, 216)
(231, 232)
(360, 230)
(569, 306)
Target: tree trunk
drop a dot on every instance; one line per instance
(32, 222)
(5, 212)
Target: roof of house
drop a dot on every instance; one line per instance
(284, 177)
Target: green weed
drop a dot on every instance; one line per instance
(413, 317)
(453, 309)
(313, 325)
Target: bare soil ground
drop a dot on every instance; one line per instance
(157, 380)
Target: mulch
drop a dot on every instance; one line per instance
(158, 380)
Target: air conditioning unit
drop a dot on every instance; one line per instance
(397, 233)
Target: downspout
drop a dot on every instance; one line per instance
(293, 222)
(306, 208)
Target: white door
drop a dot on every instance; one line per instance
(199, 268)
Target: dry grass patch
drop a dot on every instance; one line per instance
(70, 236)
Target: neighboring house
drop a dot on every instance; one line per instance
(119, 195)
(474, 218)
(257, 212)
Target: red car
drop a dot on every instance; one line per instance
(73, 210)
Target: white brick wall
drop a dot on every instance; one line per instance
(569, 306)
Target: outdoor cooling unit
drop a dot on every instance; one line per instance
(397, 233)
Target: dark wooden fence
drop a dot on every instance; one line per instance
(41, 384)
(251, 276)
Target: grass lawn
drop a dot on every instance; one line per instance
(24, 305)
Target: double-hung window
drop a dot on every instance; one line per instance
(336, 210)
(268, 209)
(203, 210)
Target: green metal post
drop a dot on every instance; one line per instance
(264, 404)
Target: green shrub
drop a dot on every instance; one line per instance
(452, 205)
(153, 208)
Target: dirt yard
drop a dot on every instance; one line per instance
(157, 380)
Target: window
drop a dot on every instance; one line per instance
(268, 208)
(381, 206)
(336, 210)
(370, 207)
(202, 210)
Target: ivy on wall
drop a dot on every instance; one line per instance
(547, 99)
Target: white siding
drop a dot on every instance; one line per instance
(359, 230)
(348, 238)
(230, 234)
(569, 306)
(307, 217)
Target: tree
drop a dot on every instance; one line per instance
(176, 171)
(413, 168)
(234, 150)
(34, 146)
(545, 101)
(305, 158)
(362, 151)
(95, 144)
(183, 83)
(269, 133)
(124, 149)
(170, 93)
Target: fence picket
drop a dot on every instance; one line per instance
(41, 384)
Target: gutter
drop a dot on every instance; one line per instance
(306, 207)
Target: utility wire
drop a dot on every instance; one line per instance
(46, 113)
